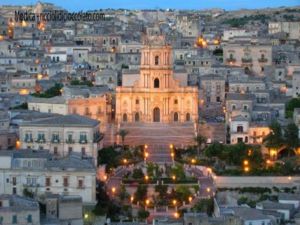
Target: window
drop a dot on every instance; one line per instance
(80, 183)
(14, 219)
(233, 107)
(66, 182)
(156, 83)
(137, 102)
(156, 60)
(29, 218)
(70, 149)
(83, 137)
(245, 107)
(240, 129)
(48, 181)
(175, 101)
(14, 181)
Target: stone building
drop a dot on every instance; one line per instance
(15, 209)
(156, 96)
(253, 57)
(63, 135)
(39, 173)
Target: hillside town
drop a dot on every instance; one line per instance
(154, 116)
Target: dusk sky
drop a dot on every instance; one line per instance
(76, 5)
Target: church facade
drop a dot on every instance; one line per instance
(156, 96)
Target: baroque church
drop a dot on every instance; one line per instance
(155, 96)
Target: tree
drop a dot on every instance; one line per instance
(183, 192)
(123, 133)
(204, 205)
(291, 136)
(143, 214)
(274, 139)
(162, 190)
(290, 106)
(137, 173)
(141, 192)
(200, 141)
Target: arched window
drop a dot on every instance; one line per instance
(176, 117)
(188, 117)
(124, 117)
(156, 60)
(137, 117)
(156, 83)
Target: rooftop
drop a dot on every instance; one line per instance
(72, 120)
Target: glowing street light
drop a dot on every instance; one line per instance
(190, 199)
(246, 169)
(146, 177)
(176, 215)
(246, 162)
(125, 161)
(193, 161)
(147, 202)
(86, 216)
(173, 177)
(174, 202)
(208, 189)
(113, 190)
(131, 199)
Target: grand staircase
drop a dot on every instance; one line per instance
(160, 134)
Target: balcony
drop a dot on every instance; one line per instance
(70, 141)
(41, 140)
(55, 140)
(231, 60)
(83, 141)
(246, 60)
(262, 60)
(28, 140)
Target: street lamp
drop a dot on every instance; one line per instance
(125, 161)
(131, 199)
(193, 161)
(190, 199)
(113, 190)
(146, 177)
(146, 156)
(176, 215)
(246, 169)
(174, 178)
(246, 162)
(174, 202)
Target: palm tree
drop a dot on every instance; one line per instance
(200, 140)
(122, 133)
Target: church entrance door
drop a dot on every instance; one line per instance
(156, 114)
